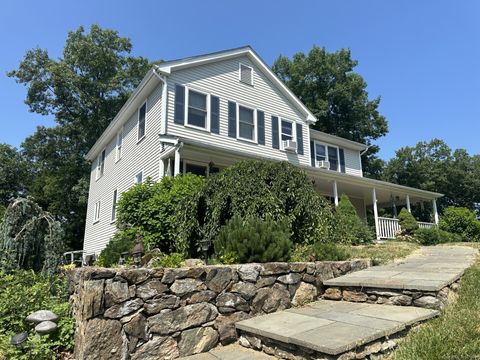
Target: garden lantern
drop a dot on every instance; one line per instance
(205, 245)
(19, 340)
(138, 250)
(123, 257)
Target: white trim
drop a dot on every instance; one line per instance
(294, 131)
(135, 178)
(337, 140)
(255, 126)
(101, 163)
(139, 139)
(375, 213)
(435, 211)
(119, 153)
(209, 114)
(96, 211)
(240, 64)
(176, 164)
(335, 192)
(114, 205)
(407, 199)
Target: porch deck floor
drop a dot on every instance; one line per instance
(428, 269)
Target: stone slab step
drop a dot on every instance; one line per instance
(429, 269)
(334, 327)
(230, 352)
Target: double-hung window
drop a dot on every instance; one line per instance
(197, 111)
(327, 153)
(142, 114)
(96, 213)
(246, 123)
(101, 164)
(139, 178)
(118, 147)
(333, 157)
(287, 130)
(114, 205)
(320, 152)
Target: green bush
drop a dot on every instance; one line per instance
(165, 213)
(122, 241)
(173, 260)
(408, 224)
(329, 252)
(254, 240)
(434, 236)
(24, 292)
(462, 221)
(264, 189)
(349, 228)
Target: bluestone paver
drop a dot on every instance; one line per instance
(230, 352)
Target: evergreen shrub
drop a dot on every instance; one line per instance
(461, 221)
(407, 221)
(349, 228)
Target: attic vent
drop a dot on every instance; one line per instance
(246, 74)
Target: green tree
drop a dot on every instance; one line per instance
(349, 228)
(13, 174)
(326, 83)
(84, 89)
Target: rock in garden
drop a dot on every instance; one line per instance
(185, 286)
(101, 340)
(137, 327)
(92, 298)
(158, 347)
(182, 318)
(42, 315)
(290, 279)
(232, 301)
(324, 270)
(249, 272)
(119, 310)
(150, 289)
(265, 281)
(115, 292)
(45, 327)
(305, 293)
(202, 296)
(429, 302)
(333, 294)
(218, 279)
(225, 324)
(275, 268)
(135, 276)
(271, 299)
(246, 289)
(298, 267)
(402, 300)
(192, 263)
(354, 296)
(154, 306)
(198, 340)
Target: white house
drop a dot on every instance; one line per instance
(204, 113)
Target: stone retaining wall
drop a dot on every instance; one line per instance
(167, 313)
(436, 300)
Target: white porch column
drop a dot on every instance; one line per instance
(169, 167)
(161, 170)
(335, 192)
(408, 204)
(375, 212)
(176, 167)
(435, 212)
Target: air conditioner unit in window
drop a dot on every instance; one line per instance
(290, 145)
(323, 164)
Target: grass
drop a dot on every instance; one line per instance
(381, 253)
(453, 336)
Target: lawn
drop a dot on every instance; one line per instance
(381, 253)
(453, 336)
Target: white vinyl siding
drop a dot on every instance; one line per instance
(221, 79)
(136, 155)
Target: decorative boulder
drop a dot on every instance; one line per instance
(41, 316)
(45, 327)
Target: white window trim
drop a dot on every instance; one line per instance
(138, 121)
(255, 126)
(117, 197)
(294, 131)
(209, 114)
(315, 142)
(118, 154)
(240, 73)
(98, 170)
(135, 177)
(96, 212)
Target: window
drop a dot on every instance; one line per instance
(333, 157)
(114, 205)
(327, 152)
(96, 213)
(142, 113)
(118, 148)
(101, 164)
(197, 109)
(287, 130)
(139, 178)
(246, 123)
(246, 74)
(320, 152)
(195, 169)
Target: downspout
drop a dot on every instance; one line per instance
(364, 151)
(163, 79)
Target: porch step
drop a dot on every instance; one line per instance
(329, 327)
(429, 269)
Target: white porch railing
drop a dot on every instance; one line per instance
(425, 225)
(388, 227)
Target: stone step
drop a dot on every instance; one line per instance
(230, 352)
(330, 328)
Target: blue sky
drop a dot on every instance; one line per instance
(421, 57)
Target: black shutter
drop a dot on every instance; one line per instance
(261, 127)
(312, 152)
(342, 160)
(179, 114)
(299, 139)
(275, 132)
(232, 119)
(214, 114)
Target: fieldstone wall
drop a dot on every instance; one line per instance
(168, 313)
(436, 300)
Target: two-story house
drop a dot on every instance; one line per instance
(202, 114)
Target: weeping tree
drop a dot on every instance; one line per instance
(30, 238)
